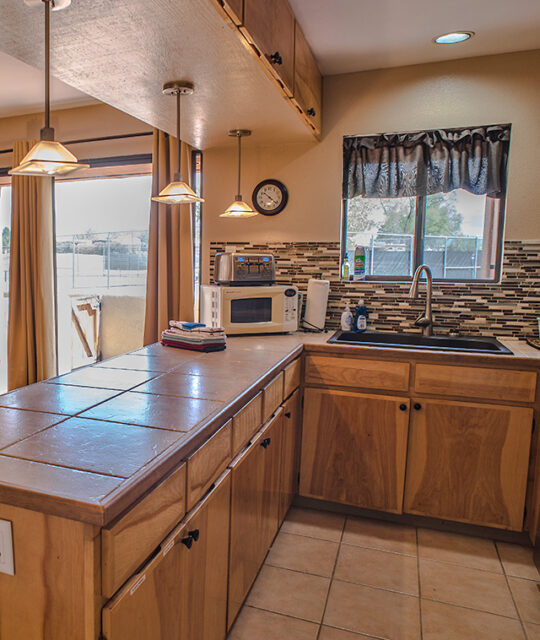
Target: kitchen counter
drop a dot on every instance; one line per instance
(89, 444)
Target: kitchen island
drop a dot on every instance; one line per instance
(98, 469)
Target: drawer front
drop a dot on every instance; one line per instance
(246, 422)
(126, 544)
(291, 380)
(272, 396)
(207, 463)
(476, 382)
(357, 373)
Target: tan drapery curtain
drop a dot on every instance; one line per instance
(31, 350)
(169, 286)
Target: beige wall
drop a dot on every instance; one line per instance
(476, 91)
(79, 123)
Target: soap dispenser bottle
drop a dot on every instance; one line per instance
(360, 316)
(347, 319)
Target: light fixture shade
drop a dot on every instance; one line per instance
(238, 209)
(177, 192)
(48, 158)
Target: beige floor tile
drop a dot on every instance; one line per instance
(376, 534)
(447, 622)
(300, 553)
(533, 631)
(255, 624)
(294, 594)
(378, 569)
(374, 612)
(467, 587)
(313, 523)
(477, 553)
(330, 633)
(527, 596)
(518, 561)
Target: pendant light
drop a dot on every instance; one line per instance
(177, 191)
(239, 208)
(48, 157)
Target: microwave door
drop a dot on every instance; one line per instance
(256, 311)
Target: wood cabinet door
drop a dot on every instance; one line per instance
(354, 448)
(271, 27)
(307, 80)
(254, 511)
(290, 452)
(205, 566)
(468, 462)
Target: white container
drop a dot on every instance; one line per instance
(316, 304)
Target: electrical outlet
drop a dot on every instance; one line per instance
(6, 548)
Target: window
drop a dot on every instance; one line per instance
(452, 221)
(5, 226)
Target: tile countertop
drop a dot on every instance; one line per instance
(88, 444)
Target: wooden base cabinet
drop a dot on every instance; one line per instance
(181, 594)
(354, 448)
(254, 510)
(468, 462)
(290, 452)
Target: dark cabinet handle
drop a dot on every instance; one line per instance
(403, 407)
(417, 406)
(275, 58)
(311, 112)
(188, 541)
(266, 442)
(194, 534)
(287, 414)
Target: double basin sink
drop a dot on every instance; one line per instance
(416, 341)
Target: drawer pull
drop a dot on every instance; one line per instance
(265, 442)
(417, 406)
(287, 414)
(275, 58)
(403, 407)
(311, 112)
(194, 534)
(187, 541)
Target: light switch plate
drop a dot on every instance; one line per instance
(6, 548)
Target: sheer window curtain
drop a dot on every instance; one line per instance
(31, 323)
(169, 288)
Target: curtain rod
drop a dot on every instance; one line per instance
(101, 139)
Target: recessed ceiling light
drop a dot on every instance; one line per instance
(454, 37)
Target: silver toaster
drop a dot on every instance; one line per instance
(244, 268)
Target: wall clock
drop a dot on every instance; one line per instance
(270, 197)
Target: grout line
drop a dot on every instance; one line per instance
(419, 584)
(278, 613)
(464, 606)
(525, 634)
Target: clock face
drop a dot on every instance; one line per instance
(270, 197)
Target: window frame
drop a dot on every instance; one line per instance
(418, 247)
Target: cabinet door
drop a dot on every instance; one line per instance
(205, 567)
(468, 462)
(354, 448)
(307, 81)
(254, 510)
(149, 606)
(271, 27)
(290, 453)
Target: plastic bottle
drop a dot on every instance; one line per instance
(359, 264)
(347, 319)
(360, 317)
(345, 269)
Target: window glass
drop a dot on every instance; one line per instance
(5, 226)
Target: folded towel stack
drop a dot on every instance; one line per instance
(194, 336)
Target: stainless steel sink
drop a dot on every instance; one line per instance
(417, 341)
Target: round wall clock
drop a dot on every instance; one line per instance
(270, 197)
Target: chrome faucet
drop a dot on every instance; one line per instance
(424, 320)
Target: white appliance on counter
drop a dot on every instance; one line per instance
(250, 309)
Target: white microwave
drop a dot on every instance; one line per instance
(247, 309)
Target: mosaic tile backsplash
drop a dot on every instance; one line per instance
(510, 308)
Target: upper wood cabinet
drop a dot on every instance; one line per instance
(307, 81)
(468, 462)
(270, 26)
(234, 9)
(354, 448)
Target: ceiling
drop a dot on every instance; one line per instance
(356, 35)
(122, 52)
(22, 86)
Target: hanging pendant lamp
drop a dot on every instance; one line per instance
(239, 208)
(177, 191)
(48, 157)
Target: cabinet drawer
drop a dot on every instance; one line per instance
(272, 396)
(245, 423)
(291, 379)
(127, 543)
(205, 465)
(357, 373)
(477, 382)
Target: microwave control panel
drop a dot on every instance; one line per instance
(290, 301)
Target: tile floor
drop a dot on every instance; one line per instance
(331, 577)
